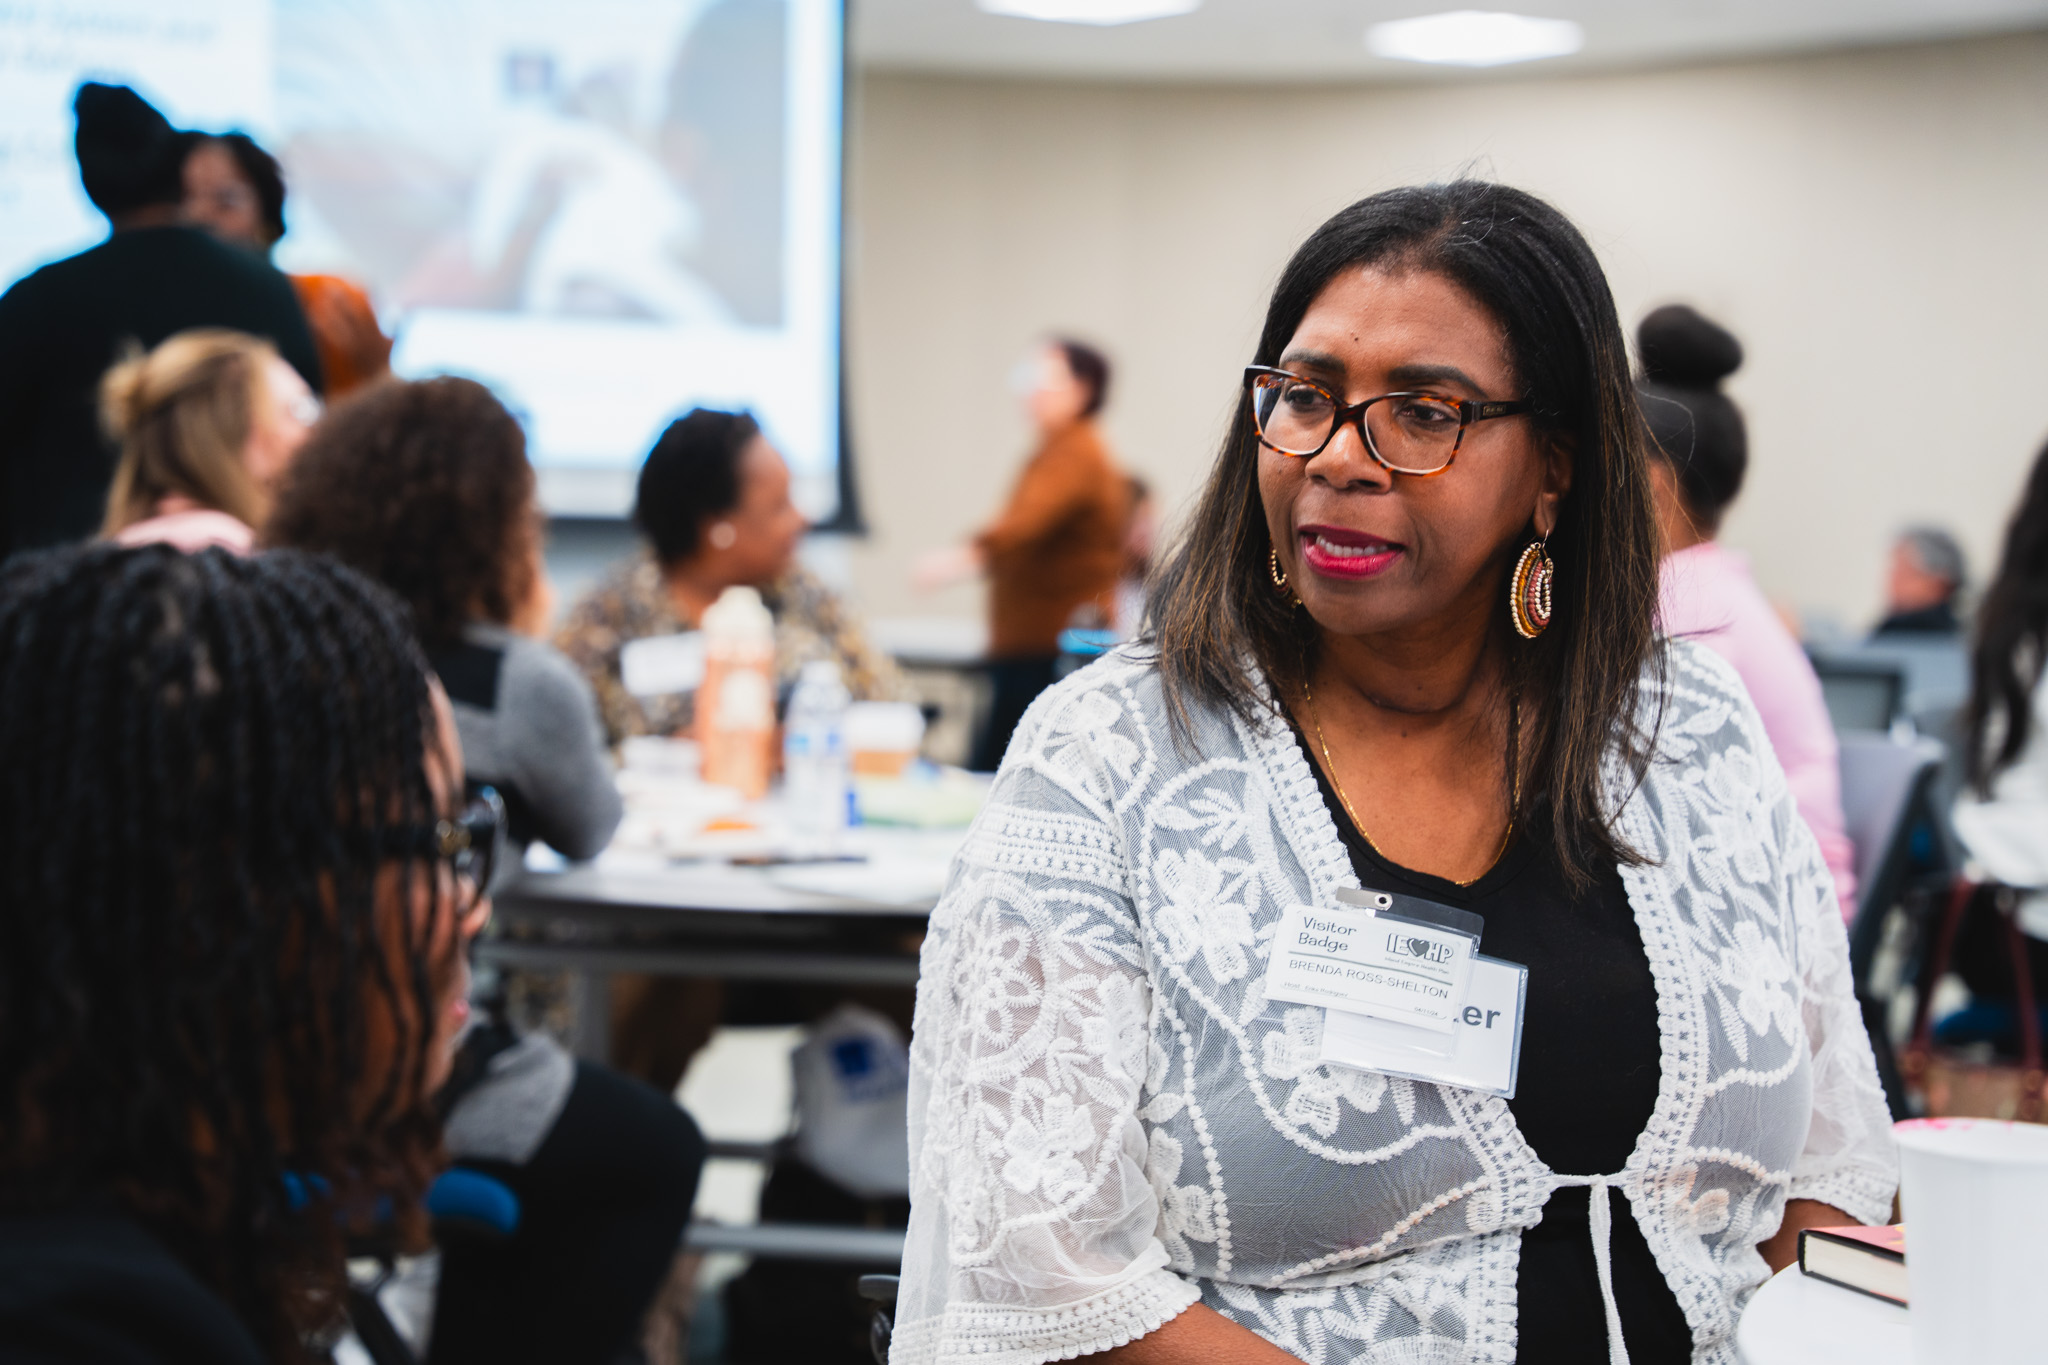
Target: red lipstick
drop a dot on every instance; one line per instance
(1336, 552)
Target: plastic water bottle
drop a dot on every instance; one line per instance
(814, 767)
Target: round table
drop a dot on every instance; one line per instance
(1798, 1320)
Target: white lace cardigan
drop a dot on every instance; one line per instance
(1109, 1122)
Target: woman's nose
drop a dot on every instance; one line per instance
(1346, 461)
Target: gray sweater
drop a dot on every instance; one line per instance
(529, 727)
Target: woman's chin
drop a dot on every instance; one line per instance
(1340, 608)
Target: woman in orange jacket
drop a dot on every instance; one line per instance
(1057, 544)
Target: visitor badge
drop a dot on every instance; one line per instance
(1486, 1040)
(663, 665)
(1392, 957)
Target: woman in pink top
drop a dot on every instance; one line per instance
(207, 422)
(1707, 594)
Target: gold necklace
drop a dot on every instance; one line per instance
(1514, 781)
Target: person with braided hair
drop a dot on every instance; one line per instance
(237, 880)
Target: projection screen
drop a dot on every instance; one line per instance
(609, 211)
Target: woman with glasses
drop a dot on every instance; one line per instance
(208, 423)
(236, 885)
(426, 487)
(235, 190)
(1403, 653)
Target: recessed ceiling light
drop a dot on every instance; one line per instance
(1098, 12)
(1470, 37)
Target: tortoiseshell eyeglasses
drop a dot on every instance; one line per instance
(1409, 433)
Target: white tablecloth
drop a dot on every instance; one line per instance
(1798, 1320)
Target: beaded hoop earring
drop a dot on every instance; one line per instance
(1273, 569)
(1529, 590)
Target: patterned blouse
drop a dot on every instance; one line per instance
(632, 603)
(1109, 1121)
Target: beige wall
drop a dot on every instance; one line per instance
(1872, 225)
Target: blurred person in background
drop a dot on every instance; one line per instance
(426, 488)
(63, 326)
(713, 505)
(235, 190)
(2002, 814)
(232, 943)
(1700, 452)
(1057, 544)
(208, 423)
(1924, 586)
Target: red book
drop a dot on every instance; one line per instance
(1869, 1260)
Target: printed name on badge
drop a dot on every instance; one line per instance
(1485, 1047)
(1370, 961)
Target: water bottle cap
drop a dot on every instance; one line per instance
(819, 671)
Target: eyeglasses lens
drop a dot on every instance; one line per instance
(1293, 418)
(1412, 433)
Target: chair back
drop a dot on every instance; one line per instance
(1861, 697)
(1885, 787)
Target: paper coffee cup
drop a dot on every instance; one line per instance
(1975, 1196)
(882, 737)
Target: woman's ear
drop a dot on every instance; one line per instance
(1556, 482)
(723, 535)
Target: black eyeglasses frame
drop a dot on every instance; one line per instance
(467, 841)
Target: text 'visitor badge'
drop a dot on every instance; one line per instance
(1486, 1041)
(1372, 960)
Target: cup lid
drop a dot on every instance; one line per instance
(1997, 1141)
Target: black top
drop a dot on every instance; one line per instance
(90, 1287)
(1939, 619)
(1587, 1084)
(64, 325)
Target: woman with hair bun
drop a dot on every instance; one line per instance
(208, 423)
(1700, 452)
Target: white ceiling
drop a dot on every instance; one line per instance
(1277, 40)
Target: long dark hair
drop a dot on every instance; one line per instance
(1222, 632)
(208, 1014)
(426, 487)
(2012, 638)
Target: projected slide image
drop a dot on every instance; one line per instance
(609, 211)
(640, 177)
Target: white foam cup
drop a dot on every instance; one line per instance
(1975, 1196)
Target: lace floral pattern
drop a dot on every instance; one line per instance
(1109, 1121)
